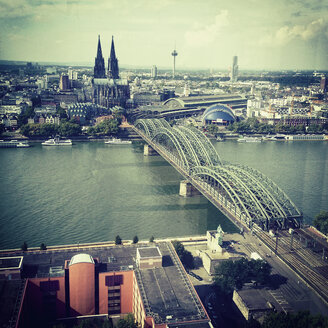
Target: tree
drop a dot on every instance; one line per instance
(2, 129)
(24, 246)
(43, 247)
(68, 129)
(127, 322)
(118, 240)
(151, 239)
(321, 222)
(185, 256)
(231, 275)
(25, 115)
(135, 239)
(300, 319)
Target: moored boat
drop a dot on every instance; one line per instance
(249, 139)
(116, 141)
(13, 144)
(57, 142)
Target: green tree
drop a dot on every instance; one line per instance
(185, 256)
(301, 319)
(127, 322)
(25, 115)
(68, 129)
(118, 240)
(135, 239)
(321, 222)
(212, 129)
(43, 247)
(230, 275)
(2, 129)
(24, 246)
(151, 239)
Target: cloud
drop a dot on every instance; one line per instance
(287, 34)
(205, 35)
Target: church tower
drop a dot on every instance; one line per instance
(99, 69)
(113, 63)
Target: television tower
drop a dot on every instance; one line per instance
(174, 54)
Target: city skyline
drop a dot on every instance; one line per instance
(263, 34)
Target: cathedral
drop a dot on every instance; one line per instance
(109, 89)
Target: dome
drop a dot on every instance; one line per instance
(81, 258)
(219, 112)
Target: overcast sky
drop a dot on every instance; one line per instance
(264, 34)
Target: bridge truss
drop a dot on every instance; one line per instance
(247, 194)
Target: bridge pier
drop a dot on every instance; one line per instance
(149, 151)
(187, 189)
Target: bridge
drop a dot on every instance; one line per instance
(243, 194)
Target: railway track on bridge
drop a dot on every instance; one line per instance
(266, 193)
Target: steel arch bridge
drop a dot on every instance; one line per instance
(244, 193)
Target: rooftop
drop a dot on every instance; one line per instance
(149, 252)
(11, 262)
(167, 292)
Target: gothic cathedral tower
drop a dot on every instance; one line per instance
(99, 69)
(113, 63)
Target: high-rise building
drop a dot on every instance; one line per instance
(99, 69)
(154, 71)
(323, 84)
(109, 90)
(64, 82)
(234, 69)
(174, 54)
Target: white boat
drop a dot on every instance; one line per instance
(57, 142)
(23, 145)
(13, 144)
(249, 139)
(277, 137)
(116, 141)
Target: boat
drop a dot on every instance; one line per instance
(249, 139)
(57, 142)
(13, 144)
(277, 137)
(23, 145)
(116, 141)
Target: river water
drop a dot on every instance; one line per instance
(92, 192)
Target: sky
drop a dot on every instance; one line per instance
(264, 34)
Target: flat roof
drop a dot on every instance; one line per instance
(147, 252)
(166, 291)
(255, 299)
(14, 262)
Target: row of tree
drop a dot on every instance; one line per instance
(321, 222)
(301, 319)
(127, 322)
(230, 275)
(252, 125)
(65, 129)
(185, 256)
(118, 240)
(106, 127)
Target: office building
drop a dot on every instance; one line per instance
(154, 72)
(146, 279)
(64, 82)
(234, 69)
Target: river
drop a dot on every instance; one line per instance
(92, 192)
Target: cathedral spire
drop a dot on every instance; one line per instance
(99, 69)
(113, 63)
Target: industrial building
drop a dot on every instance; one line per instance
(147, 280)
